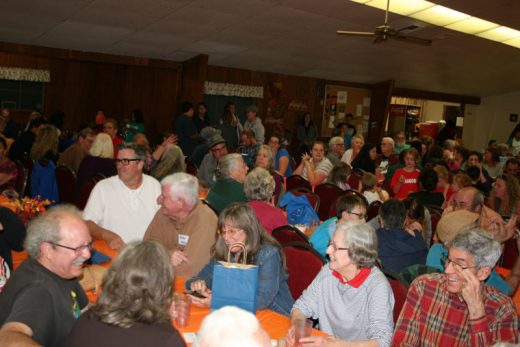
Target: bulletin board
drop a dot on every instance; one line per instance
(340, 100)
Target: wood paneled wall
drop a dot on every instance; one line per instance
(81, 84)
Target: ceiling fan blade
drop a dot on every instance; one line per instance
(412, 39)
(380, 39)
(355, 33)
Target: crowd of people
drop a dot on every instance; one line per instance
(149, 209)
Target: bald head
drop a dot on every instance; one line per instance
(469, 199)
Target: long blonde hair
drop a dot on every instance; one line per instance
(46, 141)
(172, 161)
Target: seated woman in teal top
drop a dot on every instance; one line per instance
(448, 227)
(348, 208)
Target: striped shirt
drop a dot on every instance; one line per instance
(432, 316)
(351, 313)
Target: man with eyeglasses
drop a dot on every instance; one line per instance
(471, 199)
(121, 207)
(336, 149)
(457, 308)
(217, 149)
(42, 300)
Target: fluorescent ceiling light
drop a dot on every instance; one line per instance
(513, 42)
(402, 7)
(500, 34)
(432, 13)
(440, 15)
(472, 25)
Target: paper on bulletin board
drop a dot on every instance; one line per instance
(342, 97)
(331, 122)
(366, 102)
(365, 127)
(359, 110)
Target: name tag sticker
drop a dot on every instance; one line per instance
(183, 239)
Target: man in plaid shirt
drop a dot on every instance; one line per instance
(457, 308)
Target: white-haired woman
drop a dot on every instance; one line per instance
(355, 147)
(259, 189)
(351, 297)
(265, 160)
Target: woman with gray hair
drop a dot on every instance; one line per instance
(265, 160)
(238, 224)
(231, 173)
(350, 296)
(134, 307)
(172, 161)
(259, 189)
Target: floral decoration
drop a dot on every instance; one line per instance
(26, 208)
(228, 89)
(22, 74)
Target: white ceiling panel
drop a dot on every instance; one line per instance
(283, 36)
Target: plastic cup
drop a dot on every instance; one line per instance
(182, 309)
(302, 328)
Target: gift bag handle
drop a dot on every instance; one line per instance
(244, 250)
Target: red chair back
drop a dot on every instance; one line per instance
(297, 181)
(328, 194)
(373, 209)
(303, 264)
(355, 178)
(435, 216)
(288, 233)
(67, 184)
(21, 179)
(509, 254)
(28, 164)
(191, 168)
(400, 293)
(314, 199)
(84, 191)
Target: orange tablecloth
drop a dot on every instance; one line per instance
(274, 323)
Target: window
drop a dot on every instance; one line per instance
(21, 95)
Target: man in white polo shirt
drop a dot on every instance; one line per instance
(120, 207)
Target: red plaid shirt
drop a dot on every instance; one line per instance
(431, 316)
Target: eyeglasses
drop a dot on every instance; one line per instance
(125, 161)
(335, 248)
(445, 261)
(78, 250)
(360, 215)
(215, 149)
(229, 230)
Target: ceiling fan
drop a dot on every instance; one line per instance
(384, 32)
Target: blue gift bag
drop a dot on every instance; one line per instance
(234, 285)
